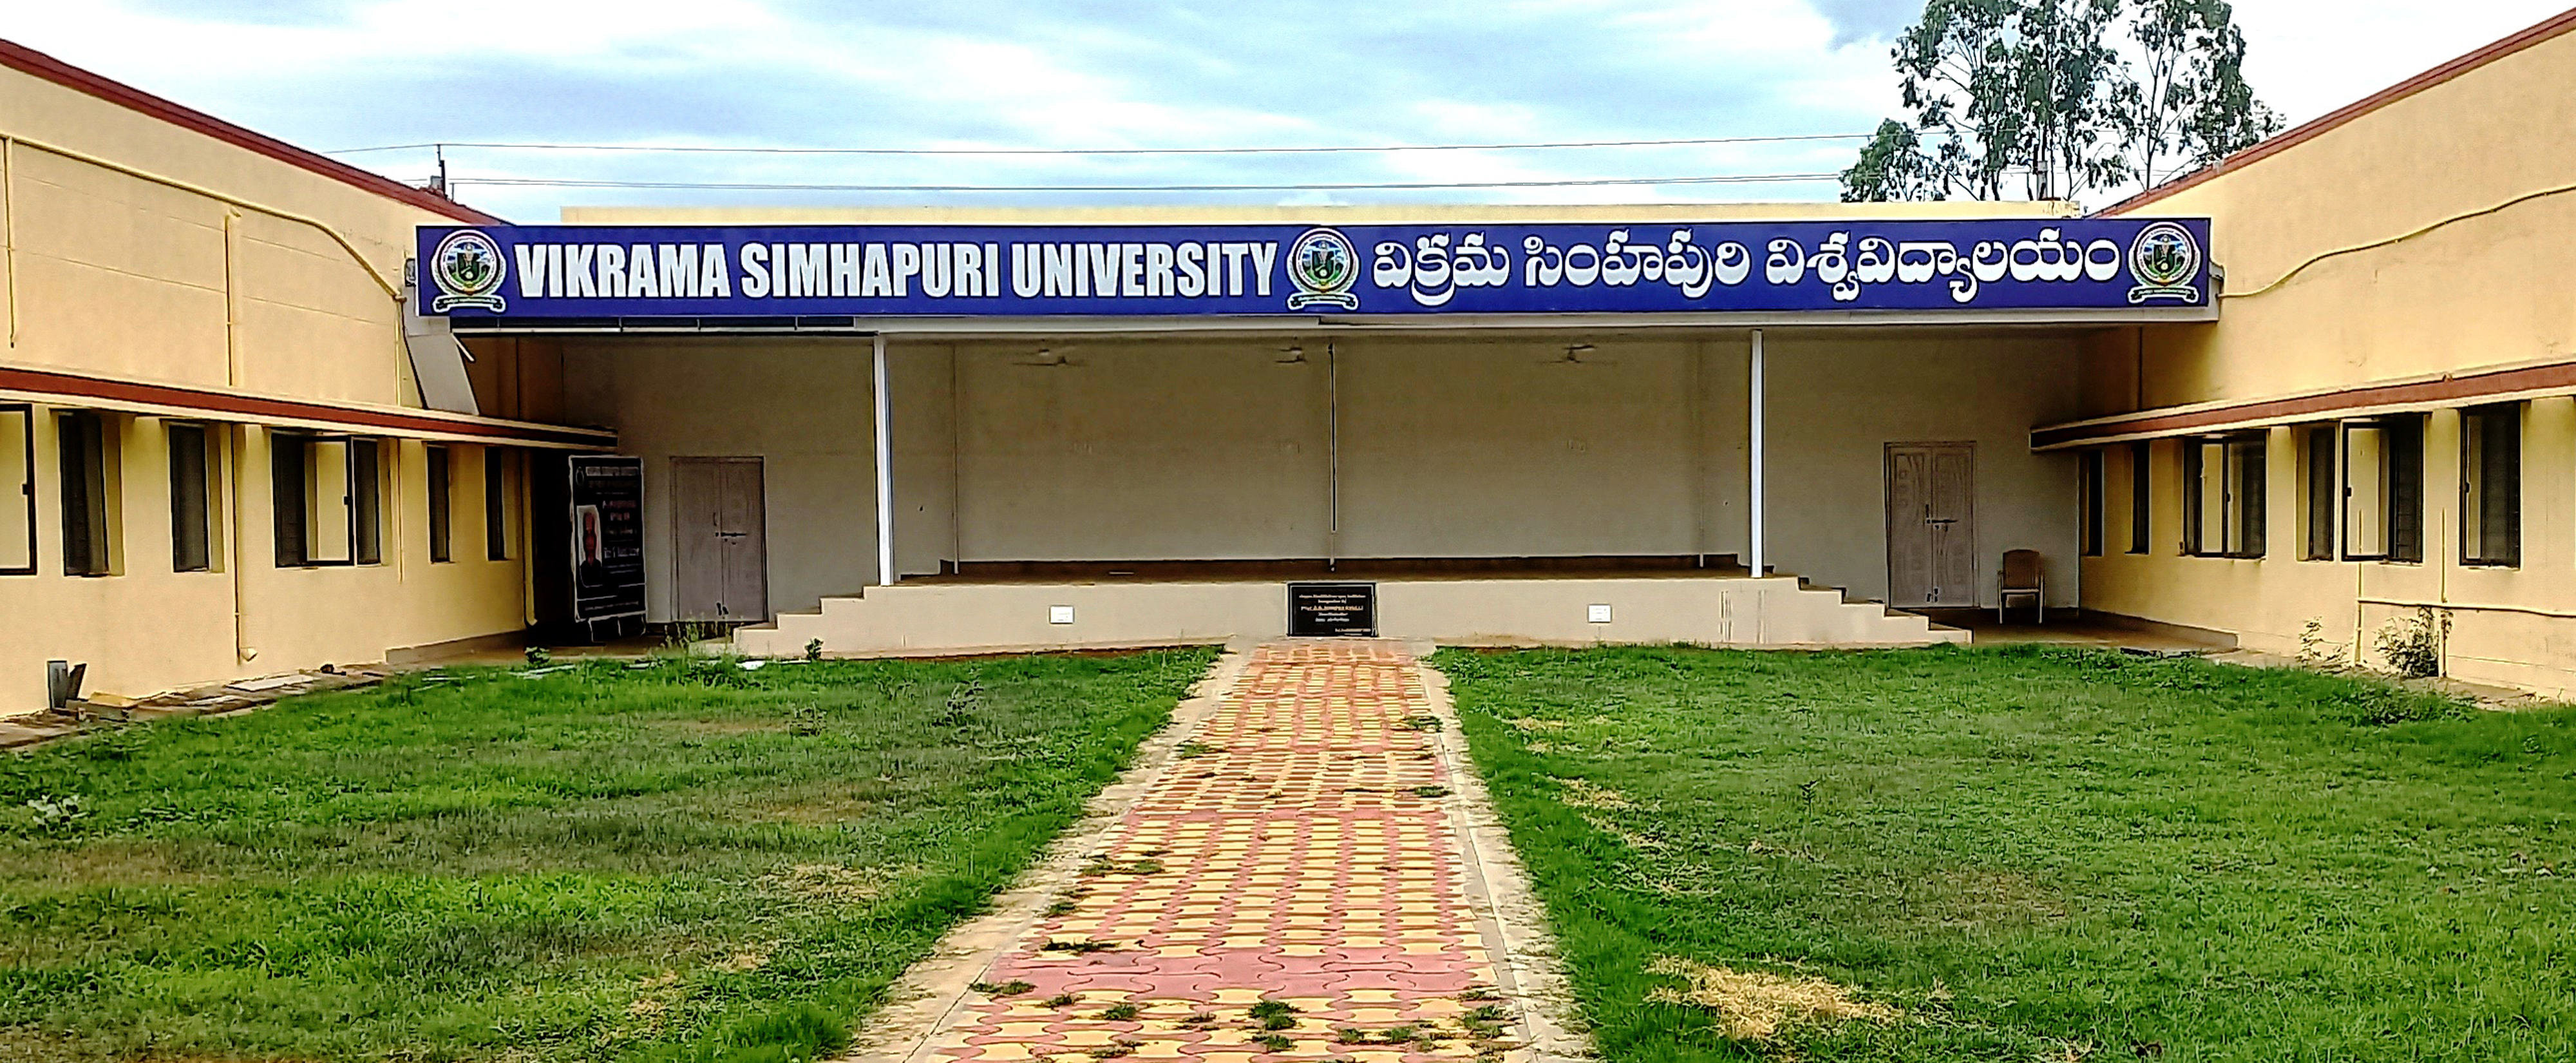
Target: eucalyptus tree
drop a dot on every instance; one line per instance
(2054, 99)
(2188, 105)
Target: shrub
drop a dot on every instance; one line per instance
(2413, 648)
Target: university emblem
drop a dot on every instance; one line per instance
(2166, 261)
(1323, 265)
(468, 268)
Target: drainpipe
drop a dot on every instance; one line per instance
(243, 652)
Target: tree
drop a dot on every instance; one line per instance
(2189, 102)
(2043, 95)
(1892, 167)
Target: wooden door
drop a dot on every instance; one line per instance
(1931, 524)
(720, 540)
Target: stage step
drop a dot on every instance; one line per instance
(957, 617)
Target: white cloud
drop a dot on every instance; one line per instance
(1066, 73)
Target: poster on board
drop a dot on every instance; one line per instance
(607, 537)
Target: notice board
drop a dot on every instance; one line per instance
(607, 500)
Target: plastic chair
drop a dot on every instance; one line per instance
(2022, 575)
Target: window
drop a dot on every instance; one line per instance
(189, 509)
(2223, 496)
(328, 500)
(2092, 488)
(89, 486)
(496, 503)
(441, 510)
(2139, 469)
(2317, 450)
(366, 501)
(2383, 489)
(2491, 485)
(18, 481)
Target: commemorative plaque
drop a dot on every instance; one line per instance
(1327, 610)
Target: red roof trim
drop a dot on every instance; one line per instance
(2461, 388)
(255, 407)
(2554, 26)
(30, 61)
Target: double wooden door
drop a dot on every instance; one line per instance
(720, 540)
(1931, 524)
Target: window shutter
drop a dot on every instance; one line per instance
(2500, 469)
(366, 528)
(2252, 507)
(2325, 491)
(188, 509)
(2405, 456)
(286, 497)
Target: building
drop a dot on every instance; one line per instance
(250, 447)
(2380, 424)
(210, 427)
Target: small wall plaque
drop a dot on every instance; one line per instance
(1327, 610)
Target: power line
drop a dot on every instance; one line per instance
(553, 182)
(756, 150)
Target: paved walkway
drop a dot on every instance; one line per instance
(1298, 881)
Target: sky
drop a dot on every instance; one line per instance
(335, 75)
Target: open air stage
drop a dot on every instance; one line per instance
(1459, 601)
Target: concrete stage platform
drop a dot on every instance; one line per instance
(1544, 601)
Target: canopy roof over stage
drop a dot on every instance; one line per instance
(879, 278)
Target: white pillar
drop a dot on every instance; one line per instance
(885, 467)
(1754, 434)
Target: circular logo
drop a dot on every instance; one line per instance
(1323, 265)
(2164, 256)
(468, 268)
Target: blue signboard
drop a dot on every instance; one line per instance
(582, 271)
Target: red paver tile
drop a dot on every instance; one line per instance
(1296, 863)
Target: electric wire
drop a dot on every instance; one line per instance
(1313, 150)
(1354, 186)
(2339, 252)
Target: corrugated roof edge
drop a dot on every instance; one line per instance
(30, 61)
(2547, 29)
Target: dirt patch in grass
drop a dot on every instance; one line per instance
(831, 882)
(1976, 897)
(1584, 793)
(1755, 1006)
(721, 727)
(111, 863)
(815, 811)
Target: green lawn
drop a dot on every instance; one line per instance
(2039, 854)
(682, 862)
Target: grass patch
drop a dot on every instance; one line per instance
(678, 863)
(2033, 853)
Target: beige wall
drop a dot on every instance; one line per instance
(2473, 290)
(1121, 448)
(126, 277)
(122, 277)
(803, 407)
(1835, 405)
(2269, 603)
(148, 628)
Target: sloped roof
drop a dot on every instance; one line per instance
(30, 61)
(2553, 27)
